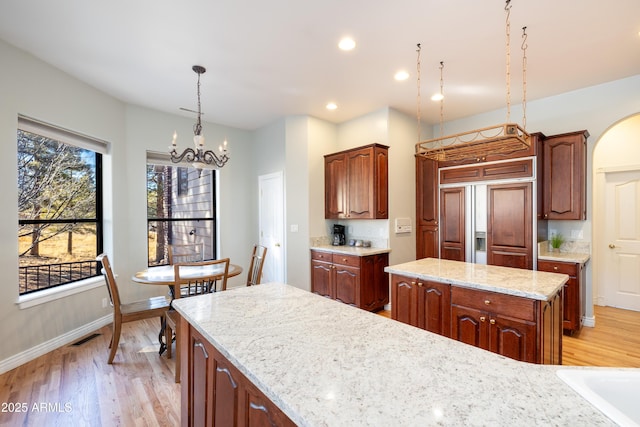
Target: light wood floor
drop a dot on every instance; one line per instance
(77, 387)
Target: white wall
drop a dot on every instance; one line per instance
(31, 87)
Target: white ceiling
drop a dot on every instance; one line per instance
(268, 59)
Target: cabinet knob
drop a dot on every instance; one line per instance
(555, 267)
(487, 302)
(611, 246)
(482, 318)
(344, 260)
(420, 284)
(492, 321)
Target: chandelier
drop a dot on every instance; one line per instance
(199, 157)
(476, 144)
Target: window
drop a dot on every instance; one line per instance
(59, 205)
(180, 208)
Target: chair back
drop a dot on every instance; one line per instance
(183, 253)
(184, 273)
(255, 267)
(112, 287)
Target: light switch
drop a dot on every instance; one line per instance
(403, 225)
(294, 228)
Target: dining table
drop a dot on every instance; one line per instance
(164, 275)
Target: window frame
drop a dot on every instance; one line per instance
(162, 159)
(98, 148)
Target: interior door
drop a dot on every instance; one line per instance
(621, 287)
(271, 225)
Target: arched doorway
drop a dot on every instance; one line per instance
(616, 212)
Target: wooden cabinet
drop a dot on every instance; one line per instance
(452, 217)
(573, 307)
(355, 280)
(356, 183)
(216, 393)
(521, 328)
(427, 240)
(509, 228)
(564, 181)
(422, 303)
(508, 325)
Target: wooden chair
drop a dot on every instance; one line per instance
(172, 318)
(190, 252)
(129, 312)
(255, 268)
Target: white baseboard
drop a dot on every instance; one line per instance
(44, 348)
(589, 321)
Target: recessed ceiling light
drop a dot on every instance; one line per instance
(401, 75)
(331, 106)
(347, 43)
(437, 97)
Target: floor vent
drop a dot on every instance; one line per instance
(85, 339)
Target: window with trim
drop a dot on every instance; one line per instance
(59, 205)
(181, 208)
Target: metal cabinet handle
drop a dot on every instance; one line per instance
(482, 318)
(611, 246)
(204, 350)
(555, 267)
(492, 321)
(487, 302)
(420, 284)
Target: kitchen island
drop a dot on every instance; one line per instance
(511, 311)
(312, 361)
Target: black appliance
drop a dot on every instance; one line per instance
(338, 235)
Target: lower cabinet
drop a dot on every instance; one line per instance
(573, 289)
(215, 393)
(422, 303)
(355, 280)
(524, 329)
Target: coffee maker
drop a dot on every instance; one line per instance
(338, 235)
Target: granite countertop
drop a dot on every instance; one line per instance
(325, 363)
(350, 250)
(532, 284)
(564, 257)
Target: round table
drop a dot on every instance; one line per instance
(165, 275)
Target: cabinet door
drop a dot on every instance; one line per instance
(434, 307)
(381, 187)
(404, 302)
(509, 228)
(374, 282)
(347, 284)
(469, 325)
(564, 185)
(360, 184)
(321, 278)
(452, 207)
(426, 191)
(260, 411)
(200, 374)
(225, 394)
(427, 242)
(335, 186)
(514, 338)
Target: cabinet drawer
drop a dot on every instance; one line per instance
(321, 256)
(350, 260)
(501, 304)
(559, 267)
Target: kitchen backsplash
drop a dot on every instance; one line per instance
(326, 240)
(570, 246)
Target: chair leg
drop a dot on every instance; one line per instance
(115, 339)
(178, 344)
(168, 337)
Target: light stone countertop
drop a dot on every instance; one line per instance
(325, 363)
(350, 250)
(532, 284)
(564, 257)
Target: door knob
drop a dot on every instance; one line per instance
(277, 245)
(611, 245)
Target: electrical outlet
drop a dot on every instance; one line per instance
(577, 234)
(105, 302)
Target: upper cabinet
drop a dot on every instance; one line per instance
(427, 208)
(564, 182)
(356, 183)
